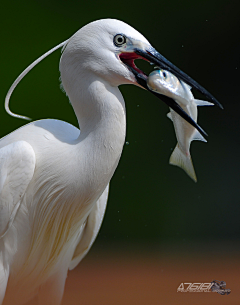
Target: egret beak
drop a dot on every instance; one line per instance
(156, 58)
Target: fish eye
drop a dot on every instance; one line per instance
(119, 40)
(162, 74)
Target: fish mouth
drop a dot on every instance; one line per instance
(154, 57)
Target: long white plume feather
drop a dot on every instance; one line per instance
(21, 76)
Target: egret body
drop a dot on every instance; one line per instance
(53, 178)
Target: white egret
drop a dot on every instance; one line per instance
(53, 179)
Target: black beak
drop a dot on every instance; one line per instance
(156, 58)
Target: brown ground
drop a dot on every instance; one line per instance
(121, 278)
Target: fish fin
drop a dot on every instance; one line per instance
(169, 115)
(198, 137)
(178, 158)
(189, 87)
(203, 103)
(185, 85)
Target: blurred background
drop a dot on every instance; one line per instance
(160, 228)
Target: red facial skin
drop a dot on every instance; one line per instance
(128, 59)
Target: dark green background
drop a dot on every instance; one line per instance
(149, 199)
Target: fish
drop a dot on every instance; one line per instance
(164, 82)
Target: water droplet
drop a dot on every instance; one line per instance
(127, 143)
(119, 219)
(137, 105)
(182, 45)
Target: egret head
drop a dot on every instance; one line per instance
(107, 48)
(99, 48)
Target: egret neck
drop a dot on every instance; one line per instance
(100, 110)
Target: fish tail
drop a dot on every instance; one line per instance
(180, 159)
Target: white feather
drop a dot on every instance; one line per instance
(62, 196)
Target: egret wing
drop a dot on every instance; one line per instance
(17, 164)
(90, 229)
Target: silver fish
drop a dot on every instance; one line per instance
(166, 83)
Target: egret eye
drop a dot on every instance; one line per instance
(119, 40)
